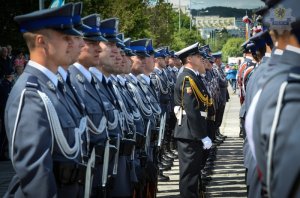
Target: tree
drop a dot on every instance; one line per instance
(138, 19)
(184, 38)
(232, 48)
(161, 21)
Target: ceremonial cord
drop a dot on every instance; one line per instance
(114, 124)
(272, 135)
(160, 86)
(199, 96)
(147, 111)
(128, 116)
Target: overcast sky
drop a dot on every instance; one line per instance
(199, 4)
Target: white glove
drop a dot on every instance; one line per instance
(206, 142)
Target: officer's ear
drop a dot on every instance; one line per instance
(188, 59)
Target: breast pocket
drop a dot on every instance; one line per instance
(68, 126)
(95, 113)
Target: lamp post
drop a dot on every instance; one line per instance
(179, 11)
(41, 4)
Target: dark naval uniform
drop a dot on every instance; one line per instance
(190, 132)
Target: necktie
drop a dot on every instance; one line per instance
(79, 103)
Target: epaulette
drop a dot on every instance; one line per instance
(32, 83)
(294, 75)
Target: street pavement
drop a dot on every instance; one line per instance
(228, 173)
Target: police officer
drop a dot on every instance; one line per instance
(147, 87)
(276, 159)
(191, 112)
(224, 95)
(122, 186)
(85, 85)
(40, 128)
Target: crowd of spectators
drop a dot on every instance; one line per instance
(12, 63)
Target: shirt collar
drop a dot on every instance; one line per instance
(293, 49)
(134, 78)
(113, 77)
(122, 80)
(278, 52)
(84, 71)
(146, 78)
(175, 69)
(249, 57)
(45, 71)
(267, 54)
(196, 72)
(63, 73)
(159, 70)
(97, 73)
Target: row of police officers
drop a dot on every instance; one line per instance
(93, 114)
(269, 82)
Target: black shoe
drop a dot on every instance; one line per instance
(205, 178)
(175, 152)
(222, 136)
(166, 163)
(167, 157)
(171, 155)
(163, 178)
(163, 167)
(217, 142)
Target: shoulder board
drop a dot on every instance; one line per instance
(294, 75)
(32, 82)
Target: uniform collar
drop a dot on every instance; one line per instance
(293, 49)
(63, 73)
(134, 78)
(267, 54)
(97, 73)
(196, 72)
(249, 57)
(112, 77)
(122, 80)
(45, 71)
(84, 71)
(146, 78)
(175, 69)
(278, 52)
(158, 70)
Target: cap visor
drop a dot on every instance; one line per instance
(95, 38)
(71, 31)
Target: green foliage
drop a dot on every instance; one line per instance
(137, 20)
(232, 48)
(217, 39)
(184, 38)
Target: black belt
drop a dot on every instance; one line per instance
(69, 173)
(140, 140)
(126, 147)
